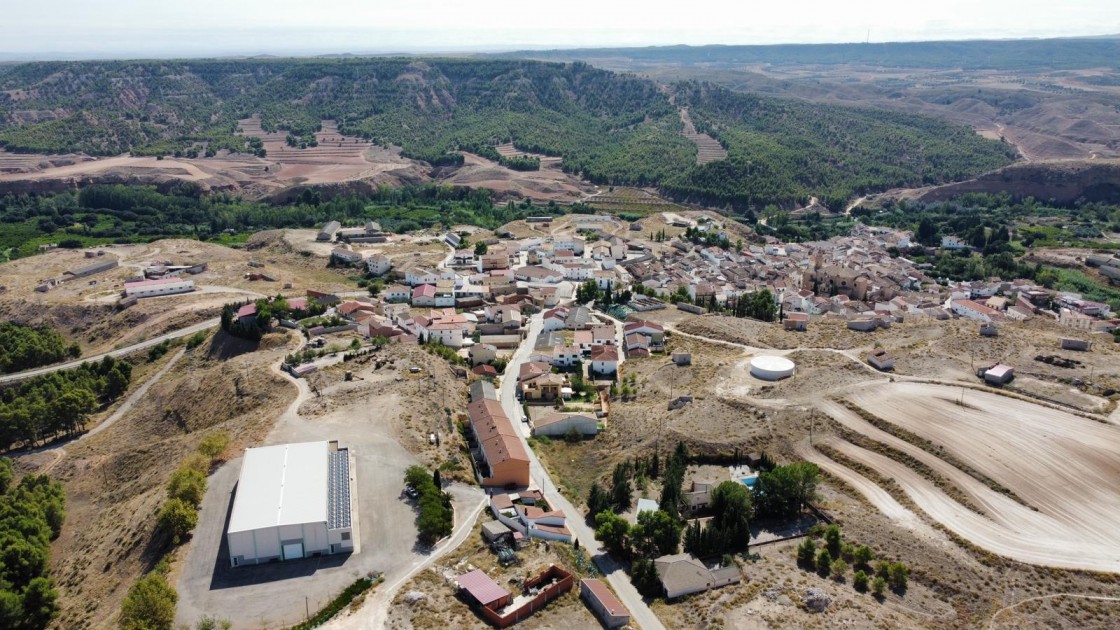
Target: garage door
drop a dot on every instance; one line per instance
(293, 550)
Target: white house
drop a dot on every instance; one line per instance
(604, 359)
(566, 356)
(450, 334)
(379, 264)
(603, 335)
(396, 293)
(423, 275)
(554, 319)
(952, 242)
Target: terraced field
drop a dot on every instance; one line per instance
(708, 149)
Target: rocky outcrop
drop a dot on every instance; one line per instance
(1060, 182)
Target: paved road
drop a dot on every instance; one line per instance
(611, 569)
(375, 609)
(119, 352)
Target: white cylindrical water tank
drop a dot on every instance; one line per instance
(771, 368)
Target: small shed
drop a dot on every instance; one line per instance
(1076, 344)
(999, 374)
(988, 329)
(880, 360)
(682, 358)
(604, 604)
(494, 531)
(484, 591)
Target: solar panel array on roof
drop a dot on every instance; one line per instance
(338, 494)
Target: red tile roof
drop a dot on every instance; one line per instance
(609, 602)
(481, 587)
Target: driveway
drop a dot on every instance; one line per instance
(280, 595)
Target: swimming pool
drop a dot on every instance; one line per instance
(749, 481)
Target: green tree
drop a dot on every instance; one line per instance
(838, 568)
(879, 587)
(806, 553)
(597, 500)
(898, 576)
(613, 531)
(188, 485)
(657, 533)
(832, 540)
(863, 556)
(178, 518)
(480, 249)
(732, 511)
(824, 562)
(621, 490)
(149, 604)
(860, 580)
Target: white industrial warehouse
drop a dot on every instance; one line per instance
(292, 501)
(160, 286)
(771, 368)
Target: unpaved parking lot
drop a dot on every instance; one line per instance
(279, 595)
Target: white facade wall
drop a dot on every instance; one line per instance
(166, 288)
(605, 367)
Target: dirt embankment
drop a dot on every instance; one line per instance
(1062, 182)
(114, 481)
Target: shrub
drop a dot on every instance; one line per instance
(214, 444)
(188, 485)
(838, 568)
(149, 605)
(898, 577)
(824, 562)
(806, 552)
(196, 339)
(213, 623)
(879, 587)
(862, 556)
(832, 540)
(859, 581)
(178, 518)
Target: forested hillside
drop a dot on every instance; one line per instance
(609, 128)
(779, 147)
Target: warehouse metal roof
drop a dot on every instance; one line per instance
(286, 484)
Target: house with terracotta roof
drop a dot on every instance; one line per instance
(604, 359)
(603, 335)
(424, 295)
(637, 345)
(497, 447)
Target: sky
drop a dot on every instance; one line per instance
(161, 28)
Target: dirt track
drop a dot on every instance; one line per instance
(1063, 466)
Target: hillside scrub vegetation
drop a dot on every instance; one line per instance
(31, 515)
(607, 127)
(25, 347)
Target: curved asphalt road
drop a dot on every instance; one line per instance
(119, 352)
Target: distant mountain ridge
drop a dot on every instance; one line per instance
(610, 128)
(1010, 54)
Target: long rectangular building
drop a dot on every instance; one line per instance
(154, 288)
(505, 463)
(292, 501)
